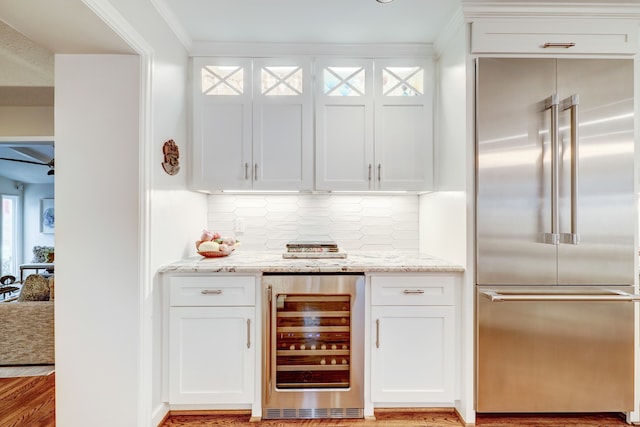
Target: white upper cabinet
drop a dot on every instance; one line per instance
(554, 36)
(403, 125)
(282, 125)
(344, 124)
(221, 132)
(252, 124)
(374, 124)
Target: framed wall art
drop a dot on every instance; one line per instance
(47, 216)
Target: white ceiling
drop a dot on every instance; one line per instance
(62, 26)
(69, 26)
(307, 21)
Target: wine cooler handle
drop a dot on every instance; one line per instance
(377, 333)
(267, 340)
(248, 333)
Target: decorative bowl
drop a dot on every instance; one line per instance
(214, 254)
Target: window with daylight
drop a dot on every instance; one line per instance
(9, 246)
(344, 81)
(281, 80)
(402, 81)
(222, 80)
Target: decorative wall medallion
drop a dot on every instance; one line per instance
(171, 164)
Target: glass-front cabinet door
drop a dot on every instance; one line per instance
(313, 341)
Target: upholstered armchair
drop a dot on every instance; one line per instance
(27, 333)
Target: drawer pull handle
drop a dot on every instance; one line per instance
(377, 333)
(413, 291)
(560, 45)
(248, 333)
(211, 292)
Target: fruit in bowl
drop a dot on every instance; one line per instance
(214, 245)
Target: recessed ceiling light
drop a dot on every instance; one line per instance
(384, 1)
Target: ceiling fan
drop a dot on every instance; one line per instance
(34, 156)
(50, 163)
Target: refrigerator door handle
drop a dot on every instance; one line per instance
(571, 103)
(552, 103)
(612, 296)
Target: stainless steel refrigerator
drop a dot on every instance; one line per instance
(555, 227)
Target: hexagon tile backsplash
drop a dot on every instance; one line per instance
(358, 222)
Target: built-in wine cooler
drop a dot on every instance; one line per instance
(313, 339)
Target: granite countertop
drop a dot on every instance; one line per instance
(272, 262)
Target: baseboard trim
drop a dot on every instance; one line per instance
(210, 412)
(160, 415)
(462, 420)
(213, 412)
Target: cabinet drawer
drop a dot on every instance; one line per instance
(212, 290)
(413, 290)
(548, 37)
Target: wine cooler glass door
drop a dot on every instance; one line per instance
(313, 341)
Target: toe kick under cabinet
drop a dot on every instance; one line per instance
(211, 339)
(413, 339)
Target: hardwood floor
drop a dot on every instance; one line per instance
(27, 401)
(392, 418)
(556, 420)
(398, 418)
(30, 402)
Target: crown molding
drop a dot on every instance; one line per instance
(448, 31)
(256, 50)
(173, 22)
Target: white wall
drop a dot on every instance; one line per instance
(32, 194)
(8, 186)
(170, 215)
(447, 215)
(98, 248)
(112, 118)
(443, 213)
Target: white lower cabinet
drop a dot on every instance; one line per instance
(211, 355)
(212, 343)
(413, 342)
